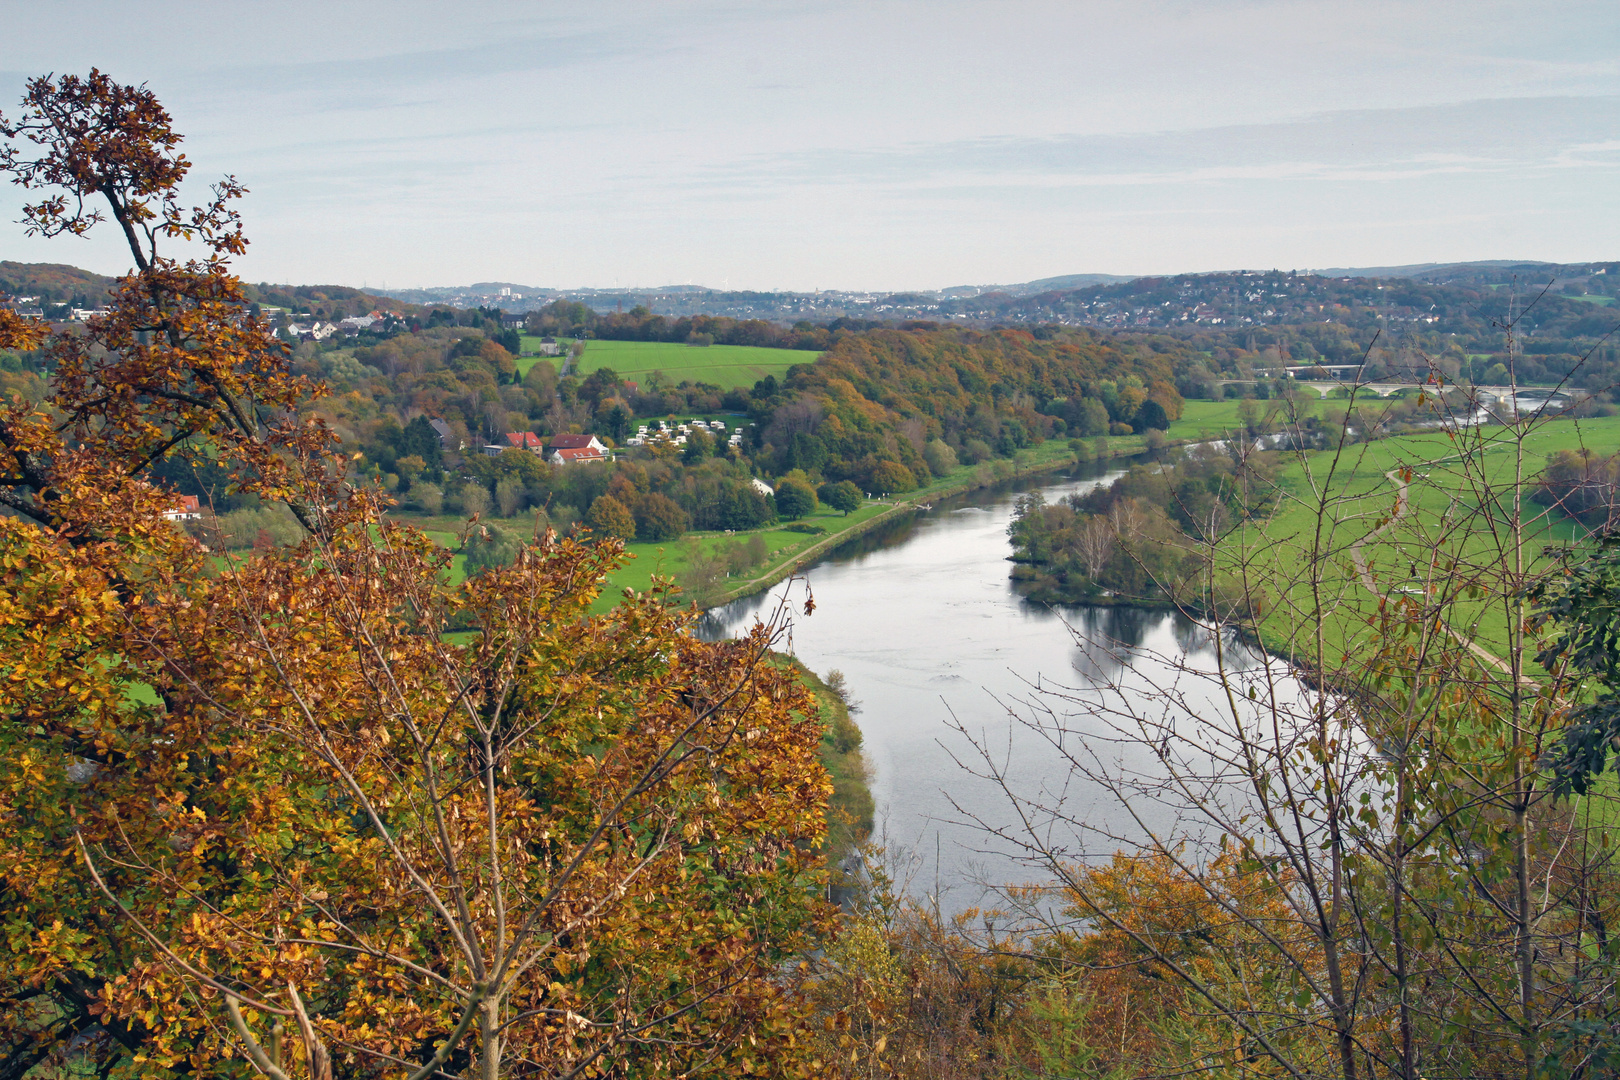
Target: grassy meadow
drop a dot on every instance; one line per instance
(1454, 528)
(725, 366)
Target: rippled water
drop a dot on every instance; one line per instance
(925, 625)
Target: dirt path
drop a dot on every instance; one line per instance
(1402, 504)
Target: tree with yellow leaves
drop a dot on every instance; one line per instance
(268, 816)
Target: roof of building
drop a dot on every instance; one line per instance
(582, 453)
(528, 440)
(572, 442)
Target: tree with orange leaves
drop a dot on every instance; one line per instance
(269, 818)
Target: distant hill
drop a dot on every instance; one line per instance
(472, 295)
(57, 283)
(54, 283)
(1480, 272)
(325, 301)
(1065, 281)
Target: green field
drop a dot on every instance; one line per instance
(1451, 514)
(725, 366)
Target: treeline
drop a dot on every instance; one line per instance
(54, 283)
(888, 395)
(573, 319)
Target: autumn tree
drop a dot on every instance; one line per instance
(611, 517)
(266, 816)
(659, 517)
(890, 477)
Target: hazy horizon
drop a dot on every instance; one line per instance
(872, 146)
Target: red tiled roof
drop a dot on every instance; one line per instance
(527, 440)
(570, 442)
(584, 453)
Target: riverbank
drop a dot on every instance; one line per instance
(1050, 457)
(850, 807)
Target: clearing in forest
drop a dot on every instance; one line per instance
(725, 366)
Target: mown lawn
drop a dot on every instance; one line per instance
(725, 366)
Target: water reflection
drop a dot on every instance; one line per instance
(923, 621)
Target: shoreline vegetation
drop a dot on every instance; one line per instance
(1052, 456)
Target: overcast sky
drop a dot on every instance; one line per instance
(870, 144)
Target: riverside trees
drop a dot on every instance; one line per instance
(265, 812)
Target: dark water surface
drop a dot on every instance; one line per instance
(923, 621)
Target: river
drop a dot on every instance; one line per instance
(922, 619)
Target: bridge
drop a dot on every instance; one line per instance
(1493, 395)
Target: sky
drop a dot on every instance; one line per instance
(874, 144)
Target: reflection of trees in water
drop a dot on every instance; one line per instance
(1197, 640)
(1105, 638)
(1109, 639)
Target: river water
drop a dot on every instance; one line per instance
(922, 619)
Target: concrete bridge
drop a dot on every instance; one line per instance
(1485, 395)
(1525, 397)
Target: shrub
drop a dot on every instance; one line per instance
(975, 451)
(474, 499)
(940, 457)
(508, 497)
(262, 527)
(490, 547)
(427, 498)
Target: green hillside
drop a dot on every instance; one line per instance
(725, 366)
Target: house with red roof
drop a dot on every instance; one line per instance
(576, 455)
(186, 508)
(525, 440)
(577, 442)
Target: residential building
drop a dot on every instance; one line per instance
(447, 438)
(576, 455)
(186, 508)
(577, 442)
(525, 440)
